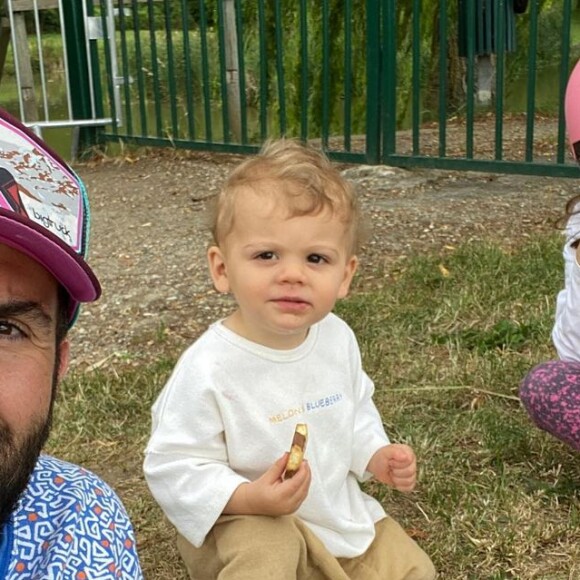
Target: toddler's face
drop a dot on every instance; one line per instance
(285, 273)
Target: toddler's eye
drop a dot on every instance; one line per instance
(316, 259)
(266, 256)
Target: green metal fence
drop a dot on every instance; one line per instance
(225, 75)
(521, 128)
(372, 81)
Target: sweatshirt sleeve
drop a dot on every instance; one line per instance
(566, 331)
(186, 459)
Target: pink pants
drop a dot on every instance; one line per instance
(551, 394)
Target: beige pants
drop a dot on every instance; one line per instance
(284, 548)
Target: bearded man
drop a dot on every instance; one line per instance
(57, 520)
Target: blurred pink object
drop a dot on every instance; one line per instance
(572, 110)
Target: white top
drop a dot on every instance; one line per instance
(228, 412)
(566, 332)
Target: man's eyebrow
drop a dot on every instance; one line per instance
(28, 308)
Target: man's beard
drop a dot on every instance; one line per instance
(18, 457)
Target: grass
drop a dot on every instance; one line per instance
(447, 339)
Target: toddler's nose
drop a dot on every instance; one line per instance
(293, 272)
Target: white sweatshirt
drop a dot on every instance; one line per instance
(228, 412)
(566, 331)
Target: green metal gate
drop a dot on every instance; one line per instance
(372, 81)
(449, 128)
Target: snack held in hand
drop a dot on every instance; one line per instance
(297, 450)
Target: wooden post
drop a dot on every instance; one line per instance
(20, 44)
(232, 71)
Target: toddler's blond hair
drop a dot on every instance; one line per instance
(304, 180)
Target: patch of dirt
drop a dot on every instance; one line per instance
(148, 239)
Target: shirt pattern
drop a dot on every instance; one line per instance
(69, 525)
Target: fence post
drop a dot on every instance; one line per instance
(374, 109)
(79, 82)
(389, 78)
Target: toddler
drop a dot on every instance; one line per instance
(286, 227)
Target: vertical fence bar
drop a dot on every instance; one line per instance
(389, 77)
(155, 70)
(170, 68)
(205, 72)
(63, 28)
(263, 65)
(471, 12)
(373, 68)
(304, 68)
(531, 84)
(104, 12)
(97, 99)
(499, 76)
(111, 42)
(416, 75)
(223, 73)
(242, 73)
(280, 67)
(188, 66)
(443, 40)
(347, 74)
(325, 73)
(139, 72)
(125, 67)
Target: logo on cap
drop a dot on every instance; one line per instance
(39, 188)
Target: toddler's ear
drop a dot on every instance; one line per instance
(217, 269)
(349, 271)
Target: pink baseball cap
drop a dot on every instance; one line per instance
(44, 211)
(572, 110)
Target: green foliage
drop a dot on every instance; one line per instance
(548, 43)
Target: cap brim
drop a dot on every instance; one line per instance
(68, 267)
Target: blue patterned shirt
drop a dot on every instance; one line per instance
(68, 525)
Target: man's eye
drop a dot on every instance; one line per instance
(316, 259)
(10, 331)
(266, 256)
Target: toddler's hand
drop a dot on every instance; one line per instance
(270, 495)
(395, 465)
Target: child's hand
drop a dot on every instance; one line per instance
(395, 465)
(270, 495)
